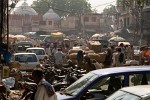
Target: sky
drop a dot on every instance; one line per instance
(99, 5)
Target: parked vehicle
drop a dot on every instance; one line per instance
(99, 84)
(28, 61)
(40, 52)
(132, 93)
(22, 46)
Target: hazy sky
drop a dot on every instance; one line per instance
(96, 4)
(101, 4)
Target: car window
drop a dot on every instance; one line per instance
(107, 85)
(23, 47)
(37, 51)
(139, 79)
(22, 58)
(122, 95)
(80, 84)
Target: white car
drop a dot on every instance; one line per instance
(40, 52)
(28, 61)
(140, 92)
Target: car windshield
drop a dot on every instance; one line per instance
(36, 51)
(122, 95)
(23, 47)
(22, 58)
(76, 87)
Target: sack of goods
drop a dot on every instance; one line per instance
(102, 57)
(73, 57)
(132, 63)
(89, 51)
(95, 45)
(94, 56)
(74, 51)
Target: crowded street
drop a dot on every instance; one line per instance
(55, 54)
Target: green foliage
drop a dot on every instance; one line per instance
(110, 10)
(62, 7)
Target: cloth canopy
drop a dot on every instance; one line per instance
(20, 37)
(119, 39)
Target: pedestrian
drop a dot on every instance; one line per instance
(80, 58)
(54, 50)
(141, 56)
(89, 66)
(118, 58)
(48, 50)
(45, 91)
(59, 57)
(108, 59)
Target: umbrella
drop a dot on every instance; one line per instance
(10, 36)
(117, 38)
(97, 36)
(20, 37)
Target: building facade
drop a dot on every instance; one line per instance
(25, 19)
(133, 19)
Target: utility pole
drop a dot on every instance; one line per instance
(1, 19)
(141, 25)
(83, 20)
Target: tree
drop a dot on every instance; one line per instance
(62, 7)
(111, 10)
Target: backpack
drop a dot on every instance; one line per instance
(121, 57)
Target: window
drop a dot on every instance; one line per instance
(128, 21)
(107, 85)
(37, 51)
(77, 86)
(25, 58)
(125, 23)
(36, 23)
(86, 19)
(93, 19)
(43, 23)
(122, 95)
(50, 22)
(139, 79)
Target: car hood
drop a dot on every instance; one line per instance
(63, 96)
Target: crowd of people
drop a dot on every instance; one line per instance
(115, 56)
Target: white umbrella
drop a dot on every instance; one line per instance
(97, 36)
(119, 39)
(20, 37)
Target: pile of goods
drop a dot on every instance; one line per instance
(95, 46)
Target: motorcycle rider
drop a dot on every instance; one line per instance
(45, 91)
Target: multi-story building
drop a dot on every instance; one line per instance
(25, 19)
(87, 23)
(130, 22)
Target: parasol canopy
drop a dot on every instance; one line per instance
(117, 38)
(124, 43)
(97, 35)
(20, 37)
(10, 36)
(58, 36)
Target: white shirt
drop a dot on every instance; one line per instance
(54, 51)
(41, 94)
(58, 57)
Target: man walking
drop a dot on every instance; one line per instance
(44, 90)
